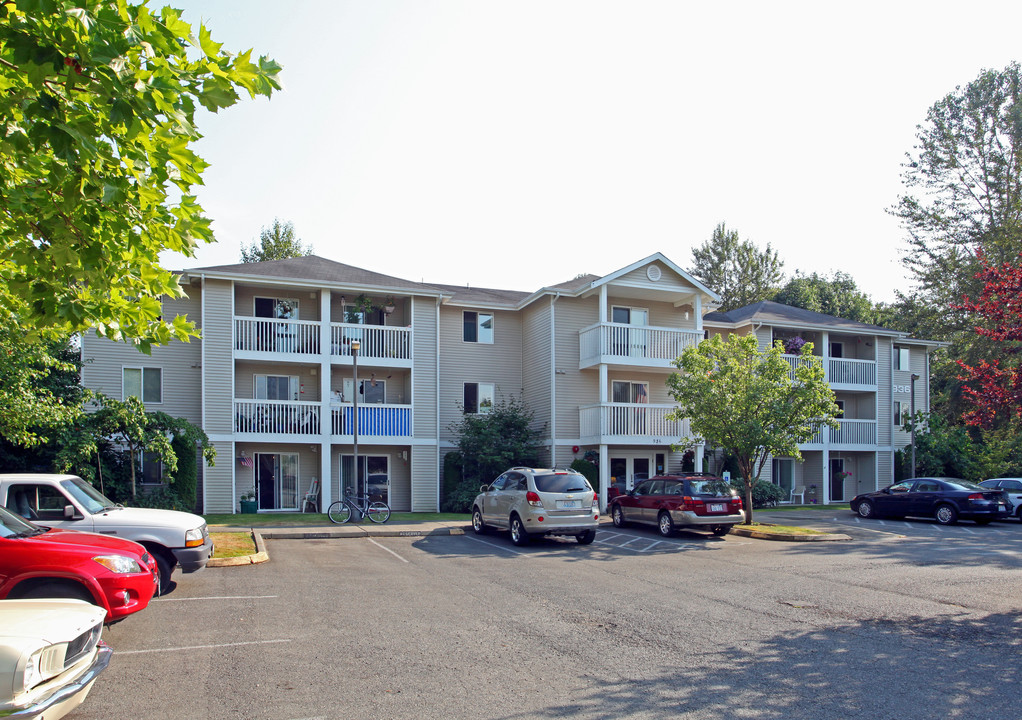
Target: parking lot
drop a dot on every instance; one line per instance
(900, 621)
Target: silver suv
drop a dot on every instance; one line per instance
(538, 501)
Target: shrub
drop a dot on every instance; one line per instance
(764, 494)
(589, 470)
(186, 477)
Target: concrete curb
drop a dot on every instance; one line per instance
(357, 532)
(787, 537)
(260, 555)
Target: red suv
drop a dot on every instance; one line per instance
(118, 575)
(674, 501)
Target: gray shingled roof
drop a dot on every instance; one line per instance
(773, 313)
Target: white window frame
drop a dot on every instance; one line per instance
(902, 358)
(259, 388)
(479, 327)
(142, 370)
(631, 390)
(348, 390)
(480, 409)
(898, 412)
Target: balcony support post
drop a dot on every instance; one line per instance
(325, 414)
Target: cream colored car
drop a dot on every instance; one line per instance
(530, 502)
(50, 655)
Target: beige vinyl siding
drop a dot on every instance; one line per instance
(536, 370)
(218, 354)
(765, 337)
(499, 363)
(424, 479)
(669, 280)
(217, 480)
(245, 372)
(104, 361)
(424, 369)
(575, 387)
(885, 469)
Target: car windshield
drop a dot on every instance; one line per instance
(715, 487)
(954, 484)
(562, 483)
(87, 496)
(13, 526)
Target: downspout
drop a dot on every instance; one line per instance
(436, 394)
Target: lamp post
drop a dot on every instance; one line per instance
(914, 378)
(355, 347)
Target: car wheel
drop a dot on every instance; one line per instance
(665, 524)
(65, 590)
(518, 535)
(619, 517)
(477, 522)
(1018, 512)
(584, 538)
(721, 529)
(866, 509)
(165, 569)
(946, 515)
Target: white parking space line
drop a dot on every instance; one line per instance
(220, 597)
(499, 547)
(388, 550)
(971, 532)
(201, 647)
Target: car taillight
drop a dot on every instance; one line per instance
(977, 496)
(737, 502)
(533, 499)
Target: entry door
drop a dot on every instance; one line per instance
(277, 481)
(631, 342)
(837, 480)
(630, 471)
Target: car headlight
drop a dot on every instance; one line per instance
(33, 675)
(193, 538)
(119, 564)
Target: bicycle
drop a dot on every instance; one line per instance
(340, 511)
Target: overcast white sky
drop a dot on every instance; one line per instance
(516, 144)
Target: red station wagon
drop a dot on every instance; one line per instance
(118, 575)
(670, 502)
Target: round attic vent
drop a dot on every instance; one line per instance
(653, 272)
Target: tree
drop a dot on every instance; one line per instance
(964, 192)
(492, 442)
(97, 110)
(39, 387)
(837, 295)
(276, 242)
(751, 403)
(736, 269)
(994, 388)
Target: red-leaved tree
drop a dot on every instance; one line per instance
(995, 386)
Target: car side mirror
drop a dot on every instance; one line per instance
(886, 490)
(484, 488)
(70, 514)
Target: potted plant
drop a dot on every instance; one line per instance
(389, 304)
(248, 502)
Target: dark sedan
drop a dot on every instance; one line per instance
(942, 498)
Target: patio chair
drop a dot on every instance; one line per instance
(312, 497)
(800, 493)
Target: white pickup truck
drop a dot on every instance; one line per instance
(173, 538)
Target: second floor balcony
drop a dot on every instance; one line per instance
(272, 339)
(843, 373)
(293, 419)
(633, 345)
(861, 433)
(630, 423)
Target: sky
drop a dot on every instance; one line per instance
(518, 144)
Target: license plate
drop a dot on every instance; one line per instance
(569, 504)
(717, 507)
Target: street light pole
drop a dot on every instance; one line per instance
(914, 378)
(355, 347)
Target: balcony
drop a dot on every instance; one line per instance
(841, 373)
(257, 337)
(375, 422)
(276, 417)
(860, 433)
(271, 339)
(389, 346)
(631, 423)
(637, 346)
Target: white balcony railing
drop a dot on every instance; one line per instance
(377, 341)
(278, 336)
(631, 344)
(631, 420)
(277, 417)
(850, 432)
(852, 372)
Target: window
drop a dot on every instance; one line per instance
(479, 397)
(151, 469)
(276, 387)
(896, 415)
(144, 383)
(837, 350)
(840, 407)
(478, 327)
(901, 358)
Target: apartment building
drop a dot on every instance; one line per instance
(306, 364)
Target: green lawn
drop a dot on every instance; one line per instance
(826, 508)
(300, 519)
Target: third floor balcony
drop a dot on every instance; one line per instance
(632, 345)
(273, 339)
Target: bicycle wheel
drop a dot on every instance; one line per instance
(379, 512)
(339, 512)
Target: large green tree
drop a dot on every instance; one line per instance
(736, 269)
(751, 403)
(837, 295)
(97, 112)
(277, 242)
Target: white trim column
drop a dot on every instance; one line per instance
(326, 414)
(604, 477)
